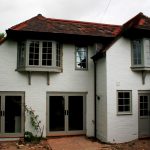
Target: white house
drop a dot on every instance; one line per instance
(46, 64)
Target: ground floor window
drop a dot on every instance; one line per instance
(124, 102)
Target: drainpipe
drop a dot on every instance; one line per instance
(95, 113)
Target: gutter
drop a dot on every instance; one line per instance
(95, 110)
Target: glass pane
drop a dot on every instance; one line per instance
(120, 108)
(120, 101)
(58, 55)
(137, 52)
(34, 53)
(13, 114)
(120, 94)
(56, 111)
(81, 57)
(75, 108)
(21, 53)
(46, 53)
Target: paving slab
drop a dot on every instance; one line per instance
(76, 143)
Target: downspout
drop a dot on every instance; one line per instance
(95, 110)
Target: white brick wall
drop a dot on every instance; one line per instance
(102, 102)
(70, 80)
(122, 128)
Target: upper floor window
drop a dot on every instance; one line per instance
(36, 55)
(81, 58)
(141, 53)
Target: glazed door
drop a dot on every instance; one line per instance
(66, 114)
(144, 115)
(11, 115)
(56, 113)
(75, 113)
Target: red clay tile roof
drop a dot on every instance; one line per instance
(144, 22)
(42, 24)
(140, 21)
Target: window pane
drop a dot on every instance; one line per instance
(120, 95)
(46, 53)
(126, 108)
(120, 108)
(127, 102)
(120, 102)
(137, 52)
(126, 94)
(81, 57)
(21, 56)
(58, 55)
(34, 53)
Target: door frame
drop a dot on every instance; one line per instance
(13, 93)
(141, 92)
(66, 131)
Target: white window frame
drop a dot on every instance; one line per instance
(142, 54)
(76, 49)
(145, 55)
(51, 68)
(130, 103)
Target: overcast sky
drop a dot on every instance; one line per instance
(102, 11)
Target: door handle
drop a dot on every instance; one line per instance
(1, 113)
(66, 112)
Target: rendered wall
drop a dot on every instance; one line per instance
(102, 102)
(122, 128)
(70, 80)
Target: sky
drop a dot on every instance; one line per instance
(101, 11)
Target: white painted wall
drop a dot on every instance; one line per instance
(102, 102)
(70, 80)
(122, 128)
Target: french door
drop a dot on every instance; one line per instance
(144, 115)
(11, 114)
(65, 113)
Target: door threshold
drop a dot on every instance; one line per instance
(4, 139)
(64, 135)
(143, 138)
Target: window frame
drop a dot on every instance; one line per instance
(40, 67)
(76, 48)
(130, 103)
(142, 54)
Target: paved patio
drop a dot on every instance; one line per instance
(76, 143)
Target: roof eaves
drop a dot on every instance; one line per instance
(2, 40)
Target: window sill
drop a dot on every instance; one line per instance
(134, 68)
(124, 113)
(39, 69)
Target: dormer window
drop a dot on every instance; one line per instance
(34, 55)
(141, 54)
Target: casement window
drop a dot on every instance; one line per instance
(141, 53)
(34, 55)
(124, 102)
(81, 58)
